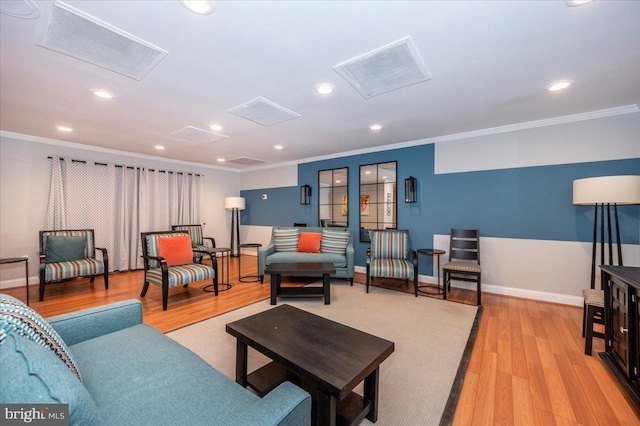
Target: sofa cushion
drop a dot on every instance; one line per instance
(286, 239)
(334, 241)
(176, 251)
(33, 374)
(64, 248)
(309, 242)
(339, 261)
(146, 375)
(19, 319)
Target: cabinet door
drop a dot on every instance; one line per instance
(620, 324)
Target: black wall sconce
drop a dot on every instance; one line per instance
(305, 194)
(410, 190)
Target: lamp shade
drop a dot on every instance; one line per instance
(231, 203)
(618, 190)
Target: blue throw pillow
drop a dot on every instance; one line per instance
(59, 248)
(33, 374)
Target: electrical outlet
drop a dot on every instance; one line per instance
(264, 196)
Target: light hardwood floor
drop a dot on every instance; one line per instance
(527, 366)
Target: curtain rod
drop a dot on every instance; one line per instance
(128, 167)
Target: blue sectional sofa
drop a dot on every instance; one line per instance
(134, 375)
(343, 262)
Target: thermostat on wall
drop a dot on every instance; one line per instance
(264, 196)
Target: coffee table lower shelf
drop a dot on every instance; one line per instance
(350, 411)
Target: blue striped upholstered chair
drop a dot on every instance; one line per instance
(68, 254)
(197, 240)
(390, 256)
(158, 272)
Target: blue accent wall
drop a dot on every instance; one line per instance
(523, 203)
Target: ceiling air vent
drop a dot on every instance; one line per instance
(194, 134)
(383, 70)
(245, 161)
(263, 111)
(84, 37)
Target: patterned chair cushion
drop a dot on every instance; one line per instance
(194, 231)
(181, 275)
(76, 268)
(286, 239)
(390, 245)
(152, 245)
(17, 318)
(391, 268)
(334, 241)
(89, 249)
(457, 265)
(593, 297)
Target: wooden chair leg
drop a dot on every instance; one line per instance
(145, 287)
(479, 290)
(588, 343)
(91, 278)
(106, 280)
(165, 296)
(584, 319)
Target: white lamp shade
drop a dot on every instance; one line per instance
(231, 203)
(607, 190)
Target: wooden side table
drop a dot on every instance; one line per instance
(26, 269)
(431, 252)
(250, 278)
(226, 253)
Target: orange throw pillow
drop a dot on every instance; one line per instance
(309, 242)
(175, 250)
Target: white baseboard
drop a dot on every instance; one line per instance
(564, 299)
(18, 282)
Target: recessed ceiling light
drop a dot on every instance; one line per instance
(367, 172)
(338, 181)
(324, 88)
(201, 7)
(221, 160)
(159, 147)
(575, 3)
(215, 127)
(559, 85)
(102, 94)
(64, 128)
(384, 177)
(375, 127)
(279, 147)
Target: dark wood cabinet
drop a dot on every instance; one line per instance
(622, 325)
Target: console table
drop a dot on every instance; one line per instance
(26, 269)
(622, 326)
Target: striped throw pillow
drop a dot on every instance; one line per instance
(286, 239)
(334, 241)
(17, 318)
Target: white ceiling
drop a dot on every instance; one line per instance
(490, 64)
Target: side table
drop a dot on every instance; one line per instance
(431, 252)
(249, 278)
(26, 269)
(226, 253)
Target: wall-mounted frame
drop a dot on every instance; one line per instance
(333, 197)
(378, 198)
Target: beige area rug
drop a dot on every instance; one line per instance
(419, 382)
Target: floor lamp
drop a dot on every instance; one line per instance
(600, 192)
(235, 204)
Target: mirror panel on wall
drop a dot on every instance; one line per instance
(333, 198)
(378, 198)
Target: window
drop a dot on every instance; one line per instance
(378, 198)
(333, 198)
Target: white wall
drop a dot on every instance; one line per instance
(24, 188)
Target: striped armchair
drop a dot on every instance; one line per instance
(197, 240)
(68, 254)
(390, 256)
(158, 272)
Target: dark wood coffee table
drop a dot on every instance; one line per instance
(301, 269)
(325, 358)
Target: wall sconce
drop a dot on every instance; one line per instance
(305, 194)
(410, 190)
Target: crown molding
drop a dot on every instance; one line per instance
(57, 142)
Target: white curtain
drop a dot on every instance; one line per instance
(119, 203)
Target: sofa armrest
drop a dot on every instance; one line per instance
(262, 257)
(351, 259)
(78, 326)
(286, 405)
